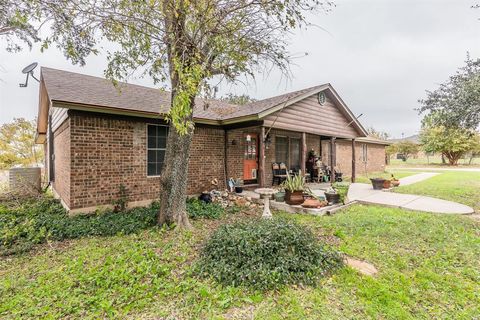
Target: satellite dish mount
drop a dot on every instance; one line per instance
(28, 70)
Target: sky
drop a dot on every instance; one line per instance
(380, 55)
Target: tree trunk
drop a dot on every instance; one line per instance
(173, 194)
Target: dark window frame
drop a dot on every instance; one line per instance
(155, 149)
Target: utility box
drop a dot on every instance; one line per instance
(25, 181)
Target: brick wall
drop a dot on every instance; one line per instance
(110, 151)
(62, 153)
(375, 157)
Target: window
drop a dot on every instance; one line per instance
(281, 150)
(295, 154)
(364, 152)
(156, 146)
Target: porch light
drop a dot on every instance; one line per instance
(249, 138)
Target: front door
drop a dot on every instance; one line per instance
(250, 158)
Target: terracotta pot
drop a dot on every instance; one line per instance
(387, 184)
(314, 203)
(377, 183)
(395, 183)
(294, 198)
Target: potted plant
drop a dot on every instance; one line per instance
(387, 184)
(280, 195)
(294, 187)
(238, 185)
(377, 183)
(341, 189)
(332, 196)
(395, 182)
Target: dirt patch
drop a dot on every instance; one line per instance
(363, 267)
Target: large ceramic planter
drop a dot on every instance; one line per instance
(377, 183)
(332, 198)
(294, 198)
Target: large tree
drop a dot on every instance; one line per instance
(19, 20)
(17, 144)
(458, 99)
(188, 43)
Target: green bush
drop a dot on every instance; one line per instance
(199, 209)
(38, 220)
(266, 254)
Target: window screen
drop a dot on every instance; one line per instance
(295, 154)
(156, 146)
(364, 153)
(281, 150)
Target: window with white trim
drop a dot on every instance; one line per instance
(156, 147)
(364, 152)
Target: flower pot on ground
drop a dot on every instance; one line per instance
(395, 183)
(377, 183)
(387, 184)
(238, 189)
(332, 197)
(279, 196)
(294, 197)
(294, 187)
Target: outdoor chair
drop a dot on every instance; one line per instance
(279, 173)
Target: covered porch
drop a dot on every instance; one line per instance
(263, 150)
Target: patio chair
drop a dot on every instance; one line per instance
(279, 172)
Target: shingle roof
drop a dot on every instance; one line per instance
(65, 86)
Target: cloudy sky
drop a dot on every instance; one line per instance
(380, 55)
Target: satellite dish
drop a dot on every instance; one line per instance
(28, 70)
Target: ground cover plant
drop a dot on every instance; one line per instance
(428, 268)
(26, 223)
(458, 186)
(266, 254)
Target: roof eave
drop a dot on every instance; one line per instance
(122, 112)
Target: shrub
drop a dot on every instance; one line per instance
(265, 254)
(199, 209)
(38, 220)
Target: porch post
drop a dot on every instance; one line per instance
(261, 160)
(333, 151)
(304, 153)
(353, 161)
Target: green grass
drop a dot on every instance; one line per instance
(462, 187)
(385, 174)
(432, 161)
(428, 264)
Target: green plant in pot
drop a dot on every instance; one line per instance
(341, 188)
(294, 187)
(280, 195)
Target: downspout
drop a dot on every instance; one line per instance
(225, 146)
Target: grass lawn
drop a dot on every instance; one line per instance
(428, 264)
(462, 187)
(432, 162)
(383, 174)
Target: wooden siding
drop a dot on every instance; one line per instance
(59, 115)
(309, 116)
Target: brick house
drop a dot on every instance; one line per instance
(98, 137)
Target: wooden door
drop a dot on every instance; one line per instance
(250, 157)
